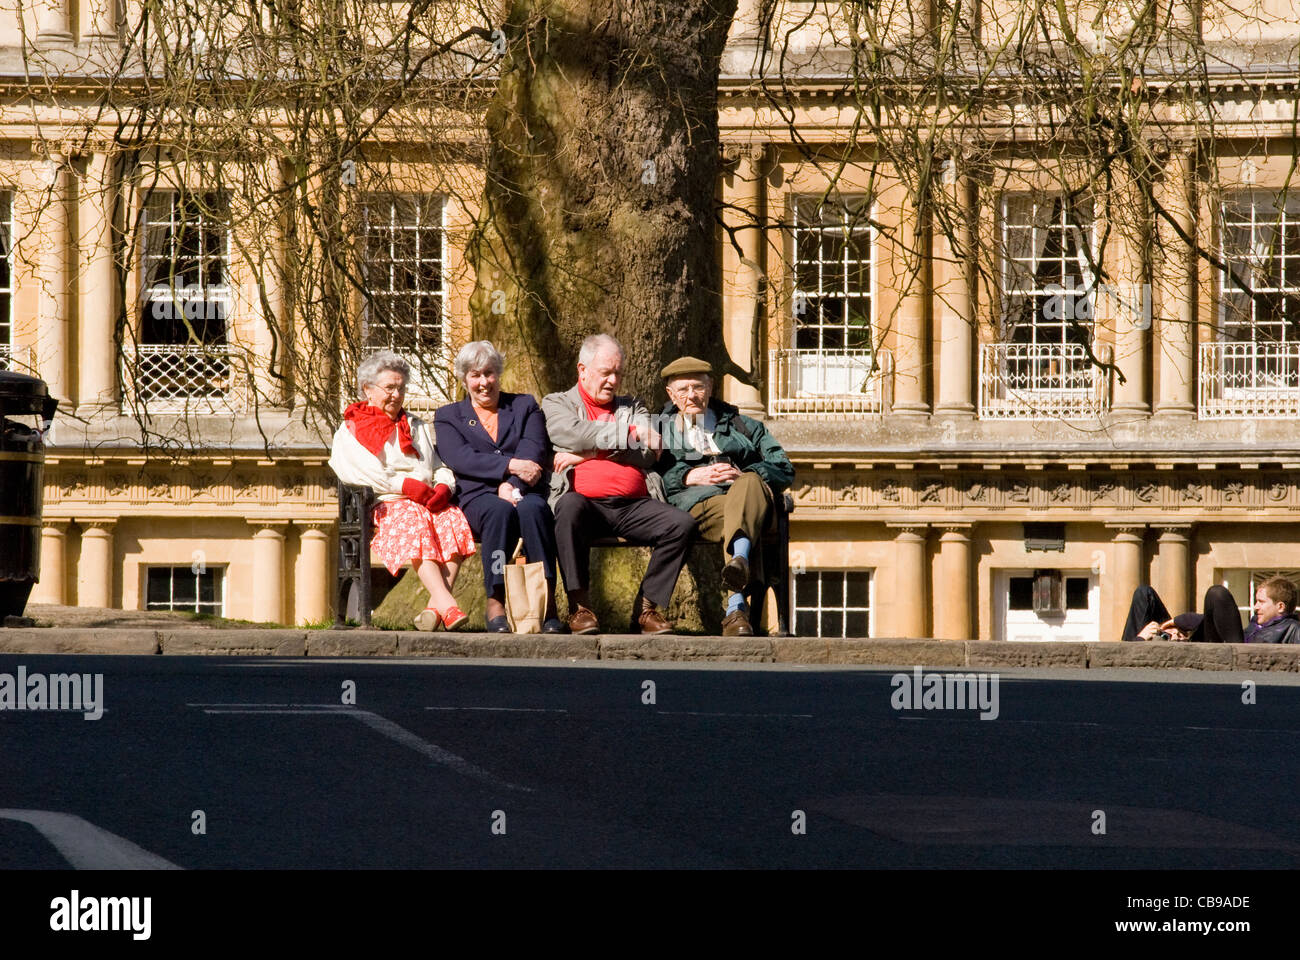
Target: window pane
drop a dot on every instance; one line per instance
(857, 590)
(1021, 593)
(158, 590)
(805, 590)
(832, 623)
(184, 588)
(805, 623)
(1076, 593)
(833, 590)
(210, 586)
(855, 623)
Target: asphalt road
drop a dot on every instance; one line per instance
(506, 764)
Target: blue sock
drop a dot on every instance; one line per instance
(740, 547)
(735, 601)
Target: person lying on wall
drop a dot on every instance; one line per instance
(1274, 619)
(381, 446)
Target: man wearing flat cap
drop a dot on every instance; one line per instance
(724, 469)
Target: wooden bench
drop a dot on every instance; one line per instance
(355, 530)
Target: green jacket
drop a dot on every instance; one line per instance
(745, 442)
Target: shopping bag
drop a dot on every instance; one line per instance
(525, 595)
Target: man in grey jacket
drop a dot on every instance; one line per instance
(603, 485)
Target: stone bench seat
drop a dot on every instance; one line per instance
(355, 530)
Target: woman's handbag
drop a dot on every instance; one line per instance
(525, 594)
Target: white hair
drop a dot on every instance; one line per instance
(370, 368)
(594, 344)
(478, 355)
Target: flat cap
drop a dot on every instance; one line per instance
(686, 367)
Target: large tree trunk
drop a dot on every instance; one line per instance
(599, 205)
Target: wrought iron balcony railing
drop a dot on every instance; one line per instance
(1024, 381)
(194, 378)
(810, 382)
(1240, 380)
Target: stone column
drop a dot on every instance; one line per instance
(53, 584)
(99, 19)
(313, 576)
(268, 570)
(266, 335)
(1130, 303)
(52, 325)
(910, 595)
(1126, 560)
(742, 284)
(953, 300)
(54, 22)
(97, 348)
(908, 276)
(1173, 568)
(95, 578)
(746, 26)
(1177, 290)
(952, 610)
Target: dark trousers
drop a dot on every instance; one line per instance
(498, 527)
(643, 520)
(1222, 623)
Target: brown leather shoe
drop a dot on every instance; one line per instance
(735, 575)
(736, 624)
(583, 620)
(651, 620)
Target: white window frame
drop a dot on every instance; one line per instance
(442, 358)
(220, 568)
(9, 354)
(217, 294)
(1034, 292)
(1256, 210)
(844, 608)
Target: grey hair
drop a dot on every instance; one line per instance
(594, 344)
(370, 368)
(479, 355)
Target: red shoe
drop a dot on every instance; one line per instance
(453, 617)
(427, 620)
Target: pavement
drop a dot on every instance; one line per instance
(84, 630)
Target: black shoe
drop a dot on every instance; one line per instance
(735, 575)
(554, 625)
(498, 625)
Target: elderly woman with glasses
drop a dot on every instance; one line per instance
(496, 443)
(381, 446)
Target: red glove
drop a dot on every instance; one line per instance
(435, 498)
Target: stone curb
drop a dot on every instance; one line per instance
(92, 640)
(882, 651)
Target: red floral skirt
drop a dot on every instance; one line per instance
(406, 531)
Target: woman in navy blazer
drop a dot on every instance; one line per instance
(496, 444)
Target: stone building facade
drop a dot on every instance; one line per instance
(969, 464)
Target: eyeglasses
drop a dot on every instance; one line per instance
(695, 390)
(391, 391)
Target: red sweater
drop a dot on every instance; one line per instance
(603, 477)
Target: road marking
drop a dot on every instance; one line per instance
(86, 846)
(504, 709)
(702, 713)
(379, 724)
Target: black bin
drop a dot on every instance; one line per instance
(26, 408)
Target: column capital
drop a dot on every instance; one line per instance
(909, 531)
(950, 532)
(753, 151)
(1174, 531)
(322, 527)
(1126, 527)
(98, 525)
(269, 528)
(56, 528)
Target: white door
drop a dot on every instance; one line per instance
(1013, 599)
